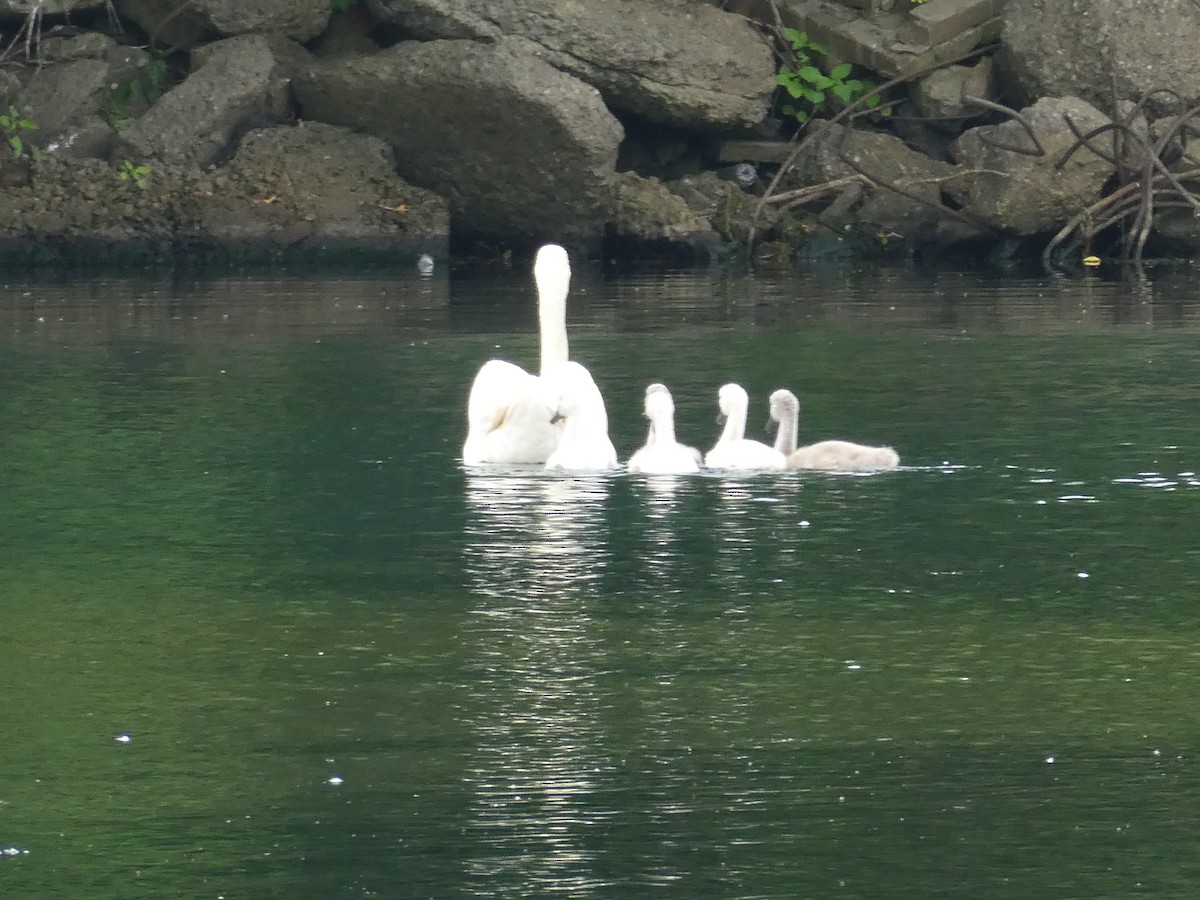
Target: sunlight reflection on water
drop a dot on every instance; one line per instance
(535, 549)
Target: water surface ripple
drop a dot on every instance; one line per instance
(265, 636)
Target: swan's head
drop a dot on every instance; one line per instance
(552, 269)
(732, 400)
(783, 404)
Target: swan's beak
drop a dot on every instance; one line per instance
(557, 417)
(721, 417)
(772, 425)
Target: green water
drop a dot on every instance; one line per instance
(260, 635)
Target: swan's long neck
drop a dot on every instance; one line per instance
(735, 425)
(553, 277)
(787, 436)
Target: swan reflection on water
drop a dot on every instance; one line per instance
(535, 549)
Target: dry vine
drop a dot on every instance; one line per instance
(859, 107)
(1141, 191)
(29, 35)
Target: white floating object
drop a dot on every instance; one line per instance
(335, 780)
(123, 738)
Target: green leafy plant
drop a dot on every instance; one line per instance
(135, 173)
(808, 87)
(117, 102)
(12, 124)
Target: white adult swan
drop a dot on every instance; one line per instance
(509, 410)
(733, 449)
(663, 455)
(579, 405)
(825, 456)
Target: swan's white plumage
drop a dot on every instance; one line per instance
(579, 406)
(825, 456)
(662, 454)
(733, 449)
(509, 410)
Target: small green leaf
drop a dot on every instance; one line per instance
(838, 73)
(842, 92)
(812, 75)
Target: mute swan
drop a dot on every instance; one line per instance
(733, 450)
(509, 410)
(580, 407)
(827, 456)
(663, 455)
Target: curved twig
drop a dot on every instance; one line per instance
(1015, 116)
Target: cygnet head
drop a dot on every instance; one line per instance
(784, 403)
(732, 399)
(659, 404)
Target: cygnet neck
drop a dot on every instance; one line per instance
(785, 410)
(663, 425)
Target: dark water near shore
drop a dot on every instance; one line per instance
(261, 636)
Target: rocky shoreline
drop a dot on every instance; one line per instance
(153, 130)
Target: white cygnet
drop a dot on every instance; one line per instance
(733, 449)
(662, 454)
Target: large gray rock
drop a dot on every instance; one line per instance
(79, 90)
(313, 190)
(683, 63)
(884, 188)
(60, 93)
(1086, 47)
(318, 183)
(518, 149)
(186, 23)
(646, 210)
(1029, 194)
(191, 124)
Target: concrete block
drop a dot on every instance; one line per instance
(937, 21)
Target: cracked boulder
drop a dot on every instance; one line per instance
(239, 79)
(318, 183)
(682, 62)
(1095, 48)
(520, 151)
(1017, 181)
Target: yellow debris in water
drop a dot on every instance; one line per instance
(1091, 260)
